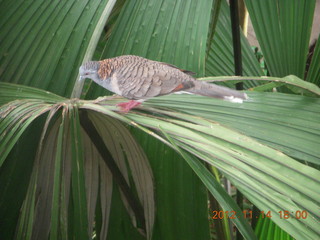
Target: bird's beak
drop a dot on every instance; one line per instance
(81, 78)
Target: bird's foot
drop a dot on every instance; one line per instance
(127, 106)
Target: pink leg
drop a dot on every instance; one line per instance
(127, 106)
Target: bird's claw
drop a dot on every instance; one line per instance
(127, 106)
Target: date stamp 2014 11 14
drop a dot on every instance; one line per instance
(299, 214)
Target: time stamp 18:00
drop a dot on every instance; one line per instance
(299, 214)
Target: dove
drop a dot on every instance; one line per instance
(138, 79)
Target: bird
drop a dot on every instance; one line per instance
(138, 79)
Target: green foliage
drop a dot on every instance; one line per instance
(249, 164)
(314, 73)
(259, 145)
(283, 30)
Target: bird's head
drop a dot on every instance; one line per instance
(89, 70)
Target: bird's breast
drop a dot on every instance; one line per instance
(105, 83)
(114, 84)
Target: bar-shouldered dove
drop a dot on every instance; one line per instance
(137, 78)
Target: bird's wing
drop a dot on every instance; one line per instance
(136, 82)
(182, 70)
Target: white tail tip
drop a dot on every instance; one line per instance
(236, 99)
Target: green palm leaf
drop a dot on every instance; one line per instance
(62, 150)
(283, 30)
(49, 41)
(254, 168)
(266, 229)
(220, 61)
(314, 70)
(44, 44)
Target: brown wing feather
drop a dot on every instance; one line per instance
(182, 70)
(143, 83)
(183, 86)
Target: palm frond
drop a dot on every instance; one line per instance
(220, 60)
(283, 31)
(314, 70)
(252, 166)
(59, 180)
(49, 41)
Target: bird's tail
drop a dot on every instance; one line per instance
(212, 90)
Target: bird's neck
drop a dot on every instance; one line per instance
(106, 68)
